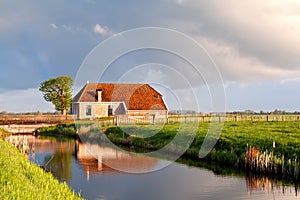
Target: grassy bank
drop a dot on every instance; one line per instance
(263, 147)
(64, 130)
(3, 133)
(19, 179)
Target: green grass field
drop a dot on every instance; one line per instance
(231, 148)
(20, 179)
(234, 134)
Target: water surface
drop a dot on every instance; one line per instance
(72, 162)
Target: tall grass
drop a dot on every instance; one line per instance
(3, 133)
(20, 179)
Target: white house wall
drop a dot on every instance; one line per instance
(156, 113)
(98, 109)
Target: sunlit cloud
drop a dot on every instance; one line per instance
(99, 29)
(238, 67)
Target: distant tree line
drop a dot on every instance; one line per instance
(262, 112)
(245, 112)
(29, 113)
(183, 112)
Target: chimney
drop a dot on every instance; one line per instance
(99, 93)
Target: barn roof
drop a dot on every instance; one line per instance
(135, 96)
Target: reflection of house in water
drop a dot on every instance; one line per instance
(97, 159)
(92, 157)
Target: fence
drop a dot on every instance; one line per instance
(192, 118)
(230, 118)
(139, 120)
(35, 119)
(273, 117)
(131, 120)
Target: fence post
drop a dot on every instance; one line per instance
(296, 169)
(116, 120)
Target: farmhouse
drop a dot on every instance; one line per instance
(107, 99)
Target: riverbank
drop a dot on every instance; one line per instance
(60, 130)
(268, 148)
(3, 133)
(20, 179)
(261, 147)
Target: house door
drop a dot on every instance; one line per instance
(109, 111)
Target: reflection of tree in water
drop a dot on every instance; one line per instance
(59, 164)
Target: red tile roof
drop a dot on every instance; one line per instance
(135, 96)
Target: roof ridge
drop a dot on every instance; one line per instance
(123, 83)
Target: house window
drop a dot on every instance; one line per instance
(110, 110)
(88, 111)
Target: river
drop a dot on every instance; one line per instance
(71, 161)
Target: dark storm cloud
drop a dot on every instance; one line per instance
(248, 40)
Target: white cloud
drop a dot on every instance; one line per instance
(53, 26)
(235, 66)
(268, 31)
(67, 27)
(289, 80)
(74, 29)
(249, 40)
(100, 30)
(26, 100)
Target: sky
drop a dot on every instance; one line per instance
(254, 46)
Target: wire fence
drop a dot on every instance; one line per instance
(140, 120)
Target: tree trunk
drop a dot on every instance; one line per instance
(64, 112)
